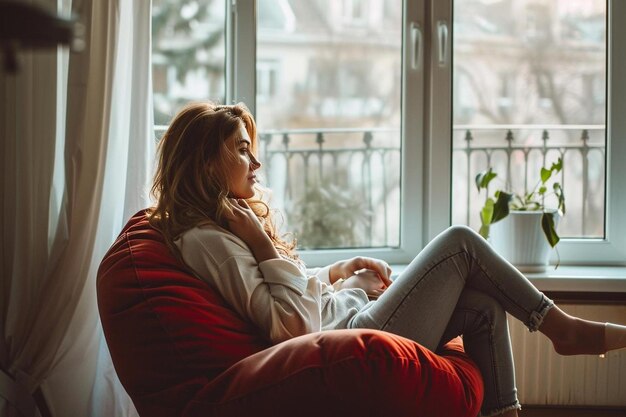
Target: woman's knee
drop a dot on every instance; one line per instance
(487, 307)
(461, 233)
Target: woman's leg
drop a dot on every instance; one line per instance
(482, 322)
(469, 258)
(422, 299)
(569, 335)
(572, 335)
(420, 303)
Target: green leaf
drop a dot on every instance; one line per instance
(501, 207)
(542, 190)
(484, 178)
(547, 224)
(486, 214)
(517, 203)
(558, 190)
(555, 168)
(533, 206)
(528, 198)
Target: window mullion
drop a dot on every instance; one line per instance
(616, 189)
(413, 122)
(438, 143)
(241, 47)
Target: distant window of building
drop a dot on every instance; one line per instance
(355, 12)
(506, 91)
(538, 22)
(353, 79)
(594, 88)
(275, 15)
(266, 79)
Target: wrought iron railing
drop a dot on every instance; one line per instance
(366, 163)
(359, 164)
(581, 173)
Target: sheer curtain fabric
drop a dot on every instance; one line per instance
(77, 153)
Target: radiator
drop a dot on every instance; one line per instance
(546, 378)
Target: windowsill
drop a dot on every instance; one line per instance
(600, 279)
(608, 279)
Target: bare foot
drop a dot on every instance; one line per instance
(615, 336)
(572, 335)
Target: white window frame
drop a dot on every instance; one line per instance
(608, 251)
(427, 131)
(240, 86)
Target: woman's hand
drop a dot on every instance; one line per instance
(368, 281)
(244, 224)
(348, 268)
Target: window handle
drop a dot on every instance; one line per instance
(416, 46)
(442, 37)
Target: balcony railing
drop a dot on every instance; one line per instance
(359, 171)
(517, 152)
(364, 165)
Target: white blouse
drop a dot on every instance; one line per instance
(277, 295)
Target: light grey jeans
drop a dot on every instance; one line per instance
(458, 285)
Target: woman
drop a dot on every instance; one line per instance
(210, 211)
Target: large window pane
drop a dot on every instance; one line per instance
(188, 54)
(529, 83)
(329, 116)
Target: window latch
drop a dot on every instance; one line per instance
(442, 37)
(416, 46)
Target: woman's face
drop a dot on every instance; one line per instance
(241, 177)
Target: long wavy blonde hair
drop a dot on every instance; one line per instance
(191, 183)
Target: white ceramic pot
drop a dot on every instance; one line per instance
(519, 238)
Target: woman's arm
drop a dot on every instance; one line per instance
(350, 267)
(322, 274)
(246, 225)
(273, 294)
(365, 279)
(293, 299)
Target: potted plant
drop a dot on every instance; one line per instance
(329, 217)
(519, 238)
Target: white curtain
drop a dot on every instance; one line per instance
(71, 178)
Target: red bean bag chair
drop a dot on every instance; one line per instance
(179, 350)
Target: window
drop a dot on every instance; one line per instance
(331, 138)
(548, 119)
(505, 92)
(538, 21)
(267, 80)
(354, 12)
(188, 54)
(275, 15)
(560, 107)
(373, 117)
